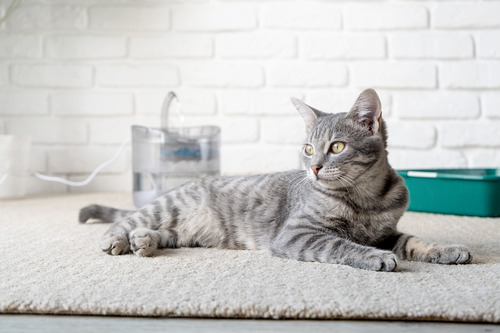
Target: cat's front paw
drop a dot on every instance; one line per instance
(452, 254)
(115, 245)
(379, 260)
(143, 242)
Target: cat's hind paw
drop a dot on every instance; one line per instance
(143, 242)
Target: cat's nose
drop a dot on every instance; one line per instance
(316, 168)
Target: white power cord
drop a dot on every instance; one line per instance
(83, 182)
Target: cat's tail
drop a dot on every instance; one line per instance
(103, 213)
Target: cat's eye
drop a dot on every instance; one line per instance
(309, 150)
(337, 147)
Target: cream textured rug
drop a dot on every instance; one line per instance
(50, 264)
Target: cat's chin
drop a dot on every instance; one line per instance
(330, 184)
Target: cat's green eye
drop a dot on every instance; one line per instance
(337, 147)
(309, 150)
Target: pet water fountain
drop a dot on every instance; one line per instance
(166, 157)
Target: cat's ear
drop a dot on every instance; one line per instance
(308, 113)
(367, 110)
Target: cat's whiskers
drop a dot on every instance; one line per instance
(346, 187)
(299, 184)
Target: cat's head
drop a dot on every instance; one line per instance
(341, 147)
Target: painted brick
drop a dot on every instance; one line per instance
(455, 15)
(23, 103)
(307, 75)
(394, 75)
(223, 75)
(4, 74)
(411, 135)
(137, 75)
(426, 159)
(34, 17)
(20, 46)
(490, 102)
(53, 76)
(470, 75)
(284, 131)
(488, 44)
(258, 103)
(310, 16)
(256, 45)
(343, 46)
(436, 105)
(85, 160)
(88, 104)
(111, 130)
(483, 158)
(85, 47)
(50, 131)
(103, 183)
(129, 18)
(433, 45)
(171, 46)
(193, 102)
(214, 17)
(386, 17)
(467, 134)
(238, 130)
(252, 159)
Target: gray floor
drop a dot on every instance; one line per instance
(90, 324)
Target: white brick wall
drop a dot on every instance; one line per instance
(471, 15)
(213, 18)
(302, 16)
(34, 18)
(186, 46)
(52, 75)
(92, 104)
(23, 103)
(77, 75)
(125, 75)
(84, 47)
(122, 17)
(386, 17)
(20, 46)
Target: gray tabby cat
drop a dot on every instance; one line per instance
(343, 209)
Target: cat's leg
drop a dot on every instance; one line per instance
(409, 247)
(144, 241)
(301, 242)
(115, 239)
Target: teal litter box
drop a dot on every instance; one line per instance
(474, 192)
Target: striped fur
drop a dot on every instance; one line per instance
(342, 209)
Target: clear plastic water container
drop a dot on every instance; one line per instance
(166, 157)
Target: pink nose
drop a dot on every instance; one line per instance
(316, 168)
